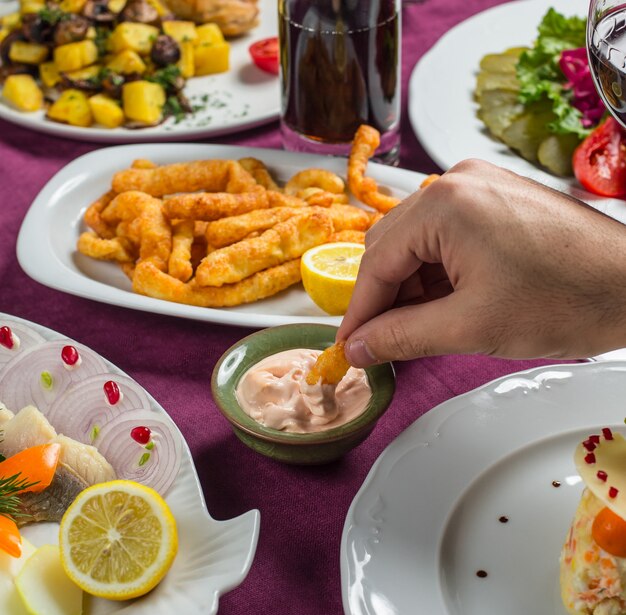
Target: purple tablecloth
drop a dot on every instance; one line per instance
(296, 568)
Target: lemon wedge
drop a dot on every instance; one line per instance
(329, 272)
(118, 539)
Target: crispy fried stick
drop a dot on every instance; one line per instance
(331, 366)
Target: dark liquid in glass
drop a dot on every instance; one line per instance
(607, 59)
(339, 70)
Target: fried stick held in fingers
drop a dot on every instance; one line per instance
(331, 366)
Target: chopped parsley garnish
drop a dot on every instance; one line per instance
(52, 16)
(173, 107)
(166, 77)
(102, 36)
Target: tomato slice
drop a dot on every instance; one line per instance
(600, 160)
(265, 54)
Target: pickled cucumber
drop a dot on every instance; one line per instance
(526, 132)
(555, 153)
(498, 108)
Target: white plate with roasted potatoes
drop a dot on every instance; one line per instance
(122, 71)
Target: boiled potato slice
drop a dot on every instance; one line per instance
(180, 31)
(127, 62)
(23, 92)
(555, 153)
(49, 74)
(10, 601)
(45, 588)
(187, 62)
(72, 107)
(526, 132)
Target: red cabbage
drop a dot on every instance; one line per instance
(575, 68)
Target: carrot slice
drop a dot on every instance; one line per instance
(10, 539)
(609, 532)
(36, 464)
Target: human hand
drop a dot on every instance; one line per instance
(485, 261)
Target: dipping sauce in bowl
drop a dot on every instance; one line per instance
(274, 393)
(327, 422)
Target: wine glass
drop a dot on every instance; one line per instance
(606, 49)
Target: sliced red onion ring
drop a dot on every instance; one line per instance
(27, 338)
(42, 375)
(83, 409)
(155, 464)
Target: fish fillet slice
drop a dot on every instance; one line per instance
(27, 428)
(84, 460)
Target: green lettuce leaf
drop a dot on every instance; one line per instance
(540, 75)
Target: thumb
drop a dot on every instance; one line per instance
(443, 326)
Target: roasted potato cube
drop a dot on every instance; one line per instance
(11, 21)
(72, 107)
(210, 33)
(180, 31)
(186, 62)
(72, 6)
(28, 53)
(143, 101)
(127, 62)
(75, 55)
(161, 8)
(138, 37)
(74, 77)
(49, 74)
(4, 32)
(106, 111)
(116, 6)
(32, 7)
(23, 92)
(211, 58)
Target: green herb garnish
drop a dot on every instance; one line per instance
(166, 77)
(172, 107)
(9, 501)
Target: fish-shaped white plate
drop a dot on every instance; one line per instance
(213, 557)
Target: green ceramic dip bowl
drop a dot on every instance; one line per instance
(297, 448)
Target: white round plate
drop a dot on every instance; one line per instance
(427, 517)
(441, 106)
(213, 556)
(46, 245)
(236, 100)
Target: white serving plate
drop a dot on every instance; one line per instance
(427, 516)
(213, 556)
(46, 245)
(239, 99)
(441, 106)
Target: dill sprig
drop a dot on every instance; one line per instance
(9, 500)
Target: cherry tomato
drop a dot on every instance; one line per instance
(600, 160)
(609, 532)
(265, 54)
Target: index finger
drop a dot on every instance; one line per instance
(385, 265)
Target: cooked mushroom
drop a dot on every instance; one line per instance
(35, 29)
(165, 50)
(140, 11)
(98, 11)
(73, 28)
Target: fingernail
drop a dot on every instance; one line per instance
(358, 354)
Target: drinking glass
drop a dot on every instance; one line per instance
(606, 48)
(339, 68)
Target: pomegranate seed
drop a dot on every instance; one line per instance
(607, 433)
(589, 445)
(140, 434)
(613, 492)
(602, 475)
(70, 356)
(6, 337)
(595, 439)
(590, 458)
(112, 392)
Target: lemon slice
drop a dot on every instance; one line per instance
(329, 272)
(118, 539)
